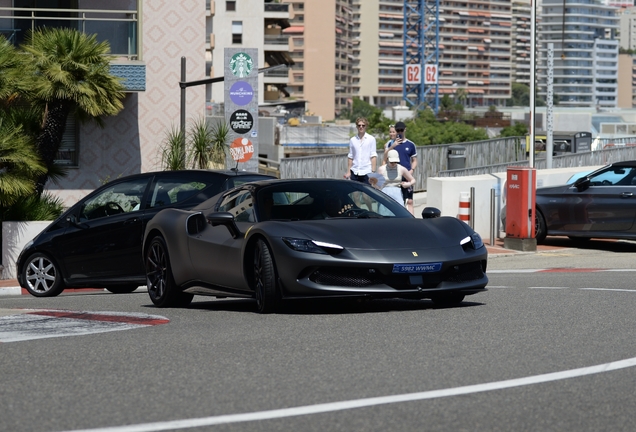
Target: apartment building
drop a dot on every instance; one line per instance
(321, 46)
(521, 37)
(148, 39)
(584, 34)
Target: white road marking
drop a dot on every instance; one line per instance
(547, 287)
(558, 270)
(364, 403)
(32, 324)
(609, 289)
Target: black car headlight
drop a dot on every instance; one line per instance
(473, 241)
(312, 246)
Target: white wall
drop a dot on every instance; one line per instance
(14, 236)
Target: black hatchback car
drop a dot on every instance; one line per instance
(97, 242)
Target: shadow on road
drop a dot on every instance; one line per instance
(618, 246)
(326, 307)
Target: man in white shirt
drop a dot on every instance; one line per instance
(362, 157)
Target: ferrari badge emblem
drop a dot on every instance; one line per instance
(414, 253)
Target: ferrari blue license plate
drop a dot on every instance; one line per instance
(417, 268)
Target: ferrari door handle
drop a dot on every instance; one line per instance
(131, 221)
(627, 195)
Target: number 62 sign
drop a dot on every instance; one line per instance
(430, 74)
(414, 74)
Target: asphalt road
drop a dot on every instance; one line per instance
(540, 351)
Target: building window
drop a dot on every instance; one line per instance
(230, 6)
(237, 32)
(68, 153)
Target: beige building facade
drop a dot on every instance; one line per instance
(151, 41)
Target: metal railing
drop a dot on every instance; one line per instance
(430, 160)
(118, 27)
(481, 157)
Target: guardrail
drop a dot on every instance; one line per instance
(431, 160)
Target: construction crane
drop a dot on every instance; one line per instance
(421, 54)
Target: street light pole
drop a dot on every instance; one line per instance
(533, 75)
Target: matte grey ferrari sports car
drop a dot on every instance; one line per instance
(290, 239)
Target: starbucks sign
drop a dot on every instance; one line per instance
(241, 64)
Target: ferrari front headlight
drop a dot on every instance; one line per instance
(312, 246)
(473, 241)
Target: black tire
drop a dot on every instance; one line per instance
(162, 289)
(42, 276)
(265, 289)
(540, 229)
(450, 299)
(123, 289)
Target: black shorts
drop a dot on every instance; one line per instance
(360, 178)
(408, 192)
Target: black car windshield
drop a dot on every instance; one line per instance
(329, 199)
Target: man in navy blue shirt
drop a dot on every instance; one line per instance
(408, 159)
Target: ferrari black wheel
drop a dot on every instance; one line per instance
(42, 277)
(267, 298)
(450, 299)
(122, 289)
(540, 229)
(162, 289)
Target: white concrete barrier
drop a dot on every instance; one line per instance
(444, 193)
(14, 236)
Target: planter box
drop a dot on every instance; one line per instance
(14, 236)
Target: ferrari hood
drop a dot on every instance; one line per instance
(380, 234)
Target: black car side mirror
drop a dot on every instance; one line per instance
(226, 219)
(431, 212)
(72, 219)
(582, 184)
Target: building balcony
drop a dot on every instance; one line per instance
(119, 27)
(276, 42)
(276, 10)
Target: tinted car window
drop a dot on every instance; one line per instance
(613, 176)
(122, 197)
(240, 204)
(302, 201)
(170, 189)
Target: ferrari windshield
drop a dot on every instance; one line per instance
(325, 199)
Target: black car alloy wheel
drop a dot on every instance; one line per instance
(162, 288)
(42, 276)
(267, 298)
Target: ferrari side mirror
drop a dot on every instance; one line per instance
(226, 219)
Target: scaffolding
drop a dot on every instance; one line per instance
(421, 47)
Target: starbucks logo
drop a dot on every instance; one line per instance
(241, 65)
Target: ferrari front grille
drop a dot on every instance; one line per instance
(354, 278)
(464, 272)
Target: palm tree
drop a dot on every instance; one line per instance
(19, 164)
(461, 95)
(9, 60)
(68, 71)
